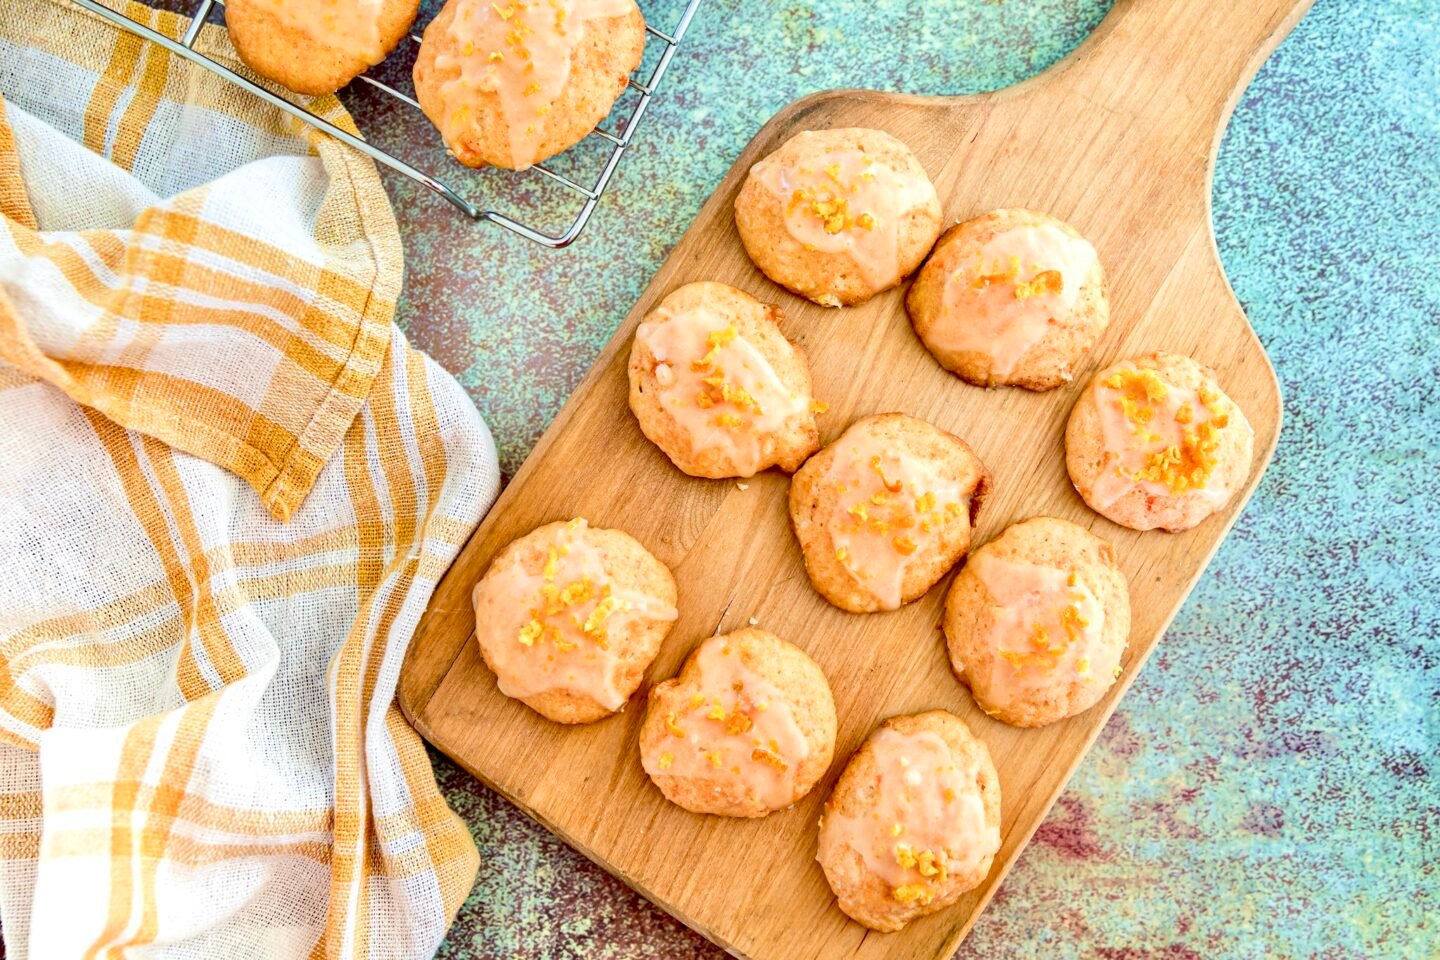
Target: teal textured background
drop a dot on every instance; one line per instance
(1270, 786)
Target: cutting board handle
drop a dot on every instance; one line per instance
(1146, 53)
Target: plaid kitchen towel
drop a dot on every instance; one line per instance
(227, 489)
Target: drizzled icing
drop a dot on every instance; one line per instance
(890, 507)
(927, 820)
(350, 26)
(844, 201)
(1003, 301)
(1157, 437)
(1045, 624)
(737, 728)
(520, 50)
(717, 385)
(559, 629)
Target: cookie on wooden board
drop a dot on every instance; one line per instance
(885, 511)
(747, 728)
(717, 387)
(837, 216)
(1012, 297)
(1154, 442)
(1037, 620)
(912, 823)
(569, 616)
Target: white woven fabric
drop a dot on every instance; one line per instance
(216, 535)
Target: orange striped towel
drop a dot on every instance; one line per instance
(227, 489)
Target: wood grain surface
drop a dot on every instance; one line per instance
(1119, 140)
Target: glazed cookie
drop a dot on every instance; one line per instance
(569, 616)
(885, 511)
(747, 728)
(1011, 297)
(838, 215)
(316, 46)
(512, 83)
(1036, 622)
(718, 388)
(913, 822)
(1154, 442)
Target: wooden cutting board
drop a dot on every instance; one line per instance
(1119, 140)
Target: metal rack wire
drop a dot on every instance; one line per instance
(618, 139)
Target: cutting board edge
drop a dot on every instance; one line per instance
(571, 840)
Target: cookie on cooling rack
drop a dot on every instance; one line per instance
(1036, 622)
(913, 822)
(1011, 297)
(316, 46)
(747, 728)
(569, 616)
(885, 511)
(836, 216)
(718, 388)
(514, 82)
(1154, 442)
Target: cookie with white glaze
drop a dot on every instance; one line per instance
(512, 83)
(1154, 442)
(1037, 620)
(715, 384)
(1013, 297)
(569, 616)
(913, 822)
(885, 511)
(837, 216)
(316, 46)
(746, 728)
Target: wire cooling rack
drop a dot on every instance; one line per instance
(615, 140)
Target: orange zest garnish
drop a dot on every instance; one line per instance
(895, 486)
(912, 893)
(825, 200)
(1001, 271)
(1046, 281)
(737, 723)
(1073, 622)
(530, 633)
(761, 755)
(1186, 465)
(832, 211)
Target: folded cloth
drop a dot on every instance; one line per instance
(227, 489)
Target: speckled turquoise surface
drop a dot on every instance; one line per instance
(1271, 785)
